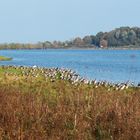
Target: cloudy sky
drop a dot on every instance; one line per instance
(40, 20)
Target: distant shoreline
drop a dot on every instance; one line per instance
(75, 48)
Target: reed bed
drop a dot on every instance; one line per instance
(34, 108)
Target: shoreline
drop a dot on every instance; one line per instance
(65, 75)
(76, 48)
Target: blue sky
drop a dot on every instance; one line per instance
(40, 20)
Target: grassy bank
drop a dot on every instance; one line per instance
(3, 58)
(33, 107)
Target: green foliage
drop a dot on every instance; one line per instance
(3, 58)
(58, 75)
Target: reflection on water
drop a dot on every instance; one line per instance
(109, 65)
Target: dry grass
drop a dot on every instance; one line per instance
(38, 109)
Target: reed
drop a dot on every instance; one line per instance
(34, 108)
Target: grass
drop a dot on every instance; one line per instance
(3, 58)
(35, 108)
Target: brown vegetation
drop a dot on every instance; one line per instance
(38, 109)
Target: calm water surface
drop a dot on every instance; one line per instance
(109, 65)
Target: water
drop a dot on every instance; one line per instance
(109, 65)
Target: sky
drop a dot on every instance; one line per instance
(24, 21)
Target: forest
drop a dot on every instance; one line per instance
(123, 37)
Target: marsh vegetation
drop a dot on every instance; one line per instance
(36, 107)
(3, 58)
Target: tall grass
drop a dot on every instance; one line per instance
(38, 109)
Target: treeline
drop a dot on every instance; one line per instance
(120, 37)
(124, 36)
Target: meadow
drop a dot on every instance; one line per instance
(33, 107)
